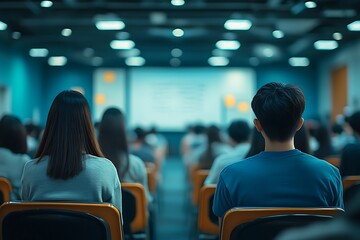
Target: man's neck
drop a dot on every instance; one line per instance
(275, 146)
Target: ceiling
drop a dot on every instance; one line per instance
(149, 23)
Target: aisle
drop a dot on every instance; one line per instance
(172, 221)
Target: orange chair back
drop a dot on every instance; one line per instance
(205, 225)
(199, 178)
(5, 189)
(350, 180)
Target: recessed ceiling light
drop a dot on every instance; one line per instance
(299, 61)
(325, 44)
(175, 62)
(3, 26)
(38, 52)
(337, 36)
(237, 24)
(218, 61)
(354, 26)
(176, 52)
(228, 44)
(177, 2)
(268, 52)
(66, 32)
(278, 34)
(135, 61)
(310, 4)
(16, 35)
(178, 32)
(46, 4)
(57, 61)
(122, 44)
(110, 25)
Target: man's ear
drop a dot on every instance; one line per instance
(301, 122)
(258, 125)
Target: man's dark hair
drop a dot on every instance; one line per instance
(279, 108)
(354, 122)
(13, 134)
(239, 131)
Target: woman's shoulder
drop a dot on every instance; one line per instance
(92, 159)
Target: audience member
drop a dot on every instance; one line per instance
(158, 142)
(69, 164)
(325, 148)
(350, 157)
(197, 146)
(140, 148)
(238, 132)
(113, 143)
(281, 176)
(33, 135)
(13, 149)
(215, 147)
(257, 143)
(302, 140)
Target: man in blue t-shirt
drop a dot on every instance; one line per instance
(281, 176)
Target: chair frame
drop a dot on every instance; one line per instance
(205, 225)
(333, 160)
(237, 216)
(140, 221)
(348, 181)
(106, 211)
(5, 188)
(199, 178)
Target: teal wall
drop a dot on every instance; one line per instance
(22, 76)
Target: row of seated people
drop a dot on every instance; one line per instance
(278, 174)
(71, 164)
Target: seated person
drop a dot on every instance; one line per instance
(140, 148)
(238, 132)
(280, 176)
(69, 164)
(13, 149)
(350, 157)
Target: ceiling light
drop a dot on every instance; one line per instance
(57, 61)
(228, 44)
(325, 44)
(175, 62)
(135, 61)
(237, 24)
(337, 36)
(354, 26)
(16, 35)
(38, 52)
(97, 61)
(299, 61)
(176, 52)
(129, 53)
(278, 34)
(110, 24)
(3, 26)
(66, 32)
(46, 4)
(122, 44)
(218, 61)
(178, 32)
(177, 2)
(268, 52)
(310, 4)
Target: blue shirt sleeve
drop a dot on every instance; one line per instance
(222, 201)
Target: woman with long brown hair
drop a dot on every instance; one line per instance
(69, 164)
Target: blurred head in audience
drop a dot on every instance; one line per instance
(354, 122)
(68, 135)
(13, 134)
(278, 109)
(113, 140)
(322, 135)
(239, 132)
(140, 134)
(302, 140)
(257, 143)
(199, 129)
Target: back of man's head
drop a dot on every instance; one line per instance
(279, 108)
(354, 122)
(239, 131)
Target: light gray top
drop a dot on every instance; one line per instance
(97, 182)
(137, 174)
(11, 167)
(237, 154)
